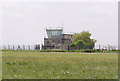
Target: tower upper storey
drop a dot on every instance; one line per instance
(54, 32)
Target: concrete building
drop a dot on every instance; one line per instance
(56, 39)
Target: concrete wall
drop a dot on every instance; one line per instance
(62, 42)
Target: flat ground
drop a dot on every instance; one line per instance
(37, 65)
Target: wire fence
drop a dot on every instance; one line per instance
(38, 47)
(106, 47)
(20, 47)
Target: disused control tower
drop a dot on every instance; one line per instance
(56, 40)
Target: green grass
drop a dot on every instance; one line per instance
(0, 65)
(38, 65)
(80, 51)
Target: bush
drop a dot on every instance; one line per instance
(89, 51)
(53, 51)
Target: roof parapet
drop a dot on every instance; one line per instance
(54, 28)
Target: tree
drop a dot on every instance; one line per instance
(72, 45)
(85, 36)
(79, 44)
(83, 39)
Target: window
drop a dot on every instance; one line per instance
(48, 42)
(57, 47)
(53, 41)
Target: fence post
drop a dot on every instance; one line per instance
(8, 47)
(13, 47)
(28, 47)
(4, 47)
(23, 47)
(18, 47)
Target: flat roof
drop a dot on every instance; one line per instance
(67, 33)
(54, 28)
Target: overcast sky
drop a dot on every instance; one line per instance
(25, 22)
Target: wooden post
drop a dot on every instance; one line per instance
(28, 47)
(23, 47)
(13, 47)
(8, 47)
(18, 47)
(4, 47)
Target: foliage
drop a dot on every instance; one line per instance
(79, 44)
(86, 41)
(72, 44)
(85, 36)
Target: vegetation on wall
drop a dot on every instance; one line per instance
(83, 41)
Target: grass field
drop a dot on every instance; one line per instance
(0, 65)
(38, 65)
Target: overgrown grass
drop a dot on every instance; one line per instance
(38, 65)
(0, 70)
(81, 50)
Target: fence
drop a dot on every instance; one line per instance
(37, 47)
(20, 47)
